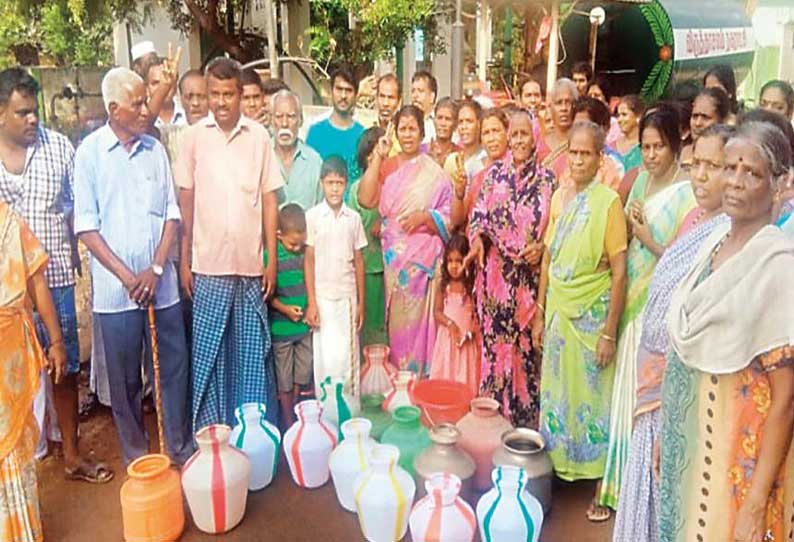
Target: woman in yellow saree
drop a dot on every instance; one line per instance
(22, 288)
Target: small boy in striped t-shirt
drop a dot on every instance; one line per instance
(292, 338)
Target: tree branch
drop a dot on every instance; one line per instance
(208, 20)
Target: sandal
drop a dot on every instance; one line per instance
(598, 514)
(93, 473)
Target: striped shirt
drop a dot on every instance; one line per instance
(127, 197)
(42, 196)
(290, 290)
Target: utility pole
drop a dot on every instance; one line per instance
(457, 53)
(554, 45)
(272, 52)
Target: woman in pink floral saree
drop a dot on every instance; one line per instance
(506, 230)
(413, 195)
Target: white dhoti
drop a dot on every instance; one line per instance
(336, 350)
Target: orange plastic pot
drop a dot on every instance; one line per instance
(151, 501)
(441, 401)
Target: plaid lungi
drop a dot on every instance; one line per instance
(232, 355)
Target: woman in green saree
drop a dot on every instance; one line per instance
(582, 284)
(658, 203)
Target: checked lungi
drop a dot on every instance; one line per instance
(232, 356)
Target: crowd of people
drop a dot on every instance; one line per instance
(612, 272)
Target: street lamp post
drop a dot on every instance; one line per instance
(457, 53)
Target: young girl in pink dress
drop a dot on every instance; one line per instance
(456, 354)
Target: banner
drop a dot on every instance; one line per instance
(695, 43)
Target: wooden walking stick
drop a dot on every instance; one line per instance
(158, 399)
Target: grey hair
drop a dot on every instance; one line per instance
(563, 84)
(287, 93)
(115, 83)
(773, 145)
(595, 130)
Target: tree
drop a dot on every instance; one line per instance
(223, 21)
(379, 27)
(59, 32)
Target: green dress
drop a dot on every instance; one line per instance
(374, 330)
(575, 392)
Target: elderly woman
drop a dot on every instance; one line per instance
(22, 289)
(553, 148)
(467, 188)
(728, 392)
(506, 229)
(582, 287)
(658, 203)
(412, 194)
(637, 517)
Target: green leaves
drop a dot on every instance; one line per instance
(656, 83)
(658, 22)
(662, 29)
(380, 27)
(65, 32)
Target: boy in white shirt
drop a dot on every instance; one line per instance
(334, 269)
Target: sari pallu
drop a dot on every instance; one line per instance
(21, 358)
(664, 212)
(511, 211)
(575, 392)
(637, 517)
(555, 159)
(411, 260)
(654, 342)
(716, 395)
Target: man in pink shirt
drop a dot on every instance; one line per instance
(228, 176)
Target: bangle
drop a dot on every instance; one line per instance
(542, 306)
(608, 338)
(459, 194)
(55, 343)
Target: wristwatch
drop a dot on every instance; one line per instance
(157, 270)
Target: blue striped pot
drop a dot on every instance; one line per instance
(507, 512)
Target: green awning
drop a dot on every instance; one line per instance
(644, 48)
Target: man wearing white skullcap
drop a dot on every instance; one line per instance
(143, 54)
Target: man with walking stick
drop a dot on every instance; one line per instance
(127, 216)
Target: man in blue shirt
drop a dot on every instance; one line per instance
(127, 216)
(339, 133)
(299, 164)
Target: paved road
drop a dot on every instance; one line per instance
(79, 512)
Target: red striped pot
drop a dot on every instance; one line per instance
(442, 516)
(215, 481)
(308, 445)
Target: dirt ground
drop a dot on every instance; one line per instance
(80, 512)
